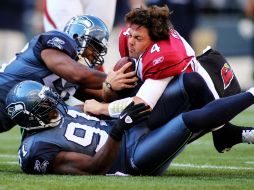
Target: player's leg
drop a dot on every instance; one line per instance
(228, 136)
(104, 9)
(57, 13)
(226, 84)
(161, 145)
(155, 150)
(188, 91)
(218, 112)
(158, 148)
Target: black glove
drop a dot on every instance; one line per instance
(130, 116)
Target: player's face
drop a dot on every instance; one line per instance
(89, 54)
(138, 41)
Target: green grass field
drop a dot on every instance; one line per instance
(198, 167)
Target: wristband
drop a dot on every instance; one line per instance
(115, 108)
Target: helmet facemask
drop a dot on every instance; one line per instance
(94, 46)
(91, 36)
(38, 115)
(49, 105)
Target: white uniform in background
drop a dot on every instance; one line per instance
(58, 12)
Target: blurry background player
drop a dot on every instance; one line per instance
(18, 24)
(89, 146)
(184, 17)
(57, 13)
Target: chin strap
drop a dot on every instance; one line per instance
(53, 123)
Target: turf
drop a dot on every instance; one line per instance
(199, 166)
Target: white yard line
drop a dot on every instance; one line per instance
(210, 166)
(187, 165)
(8, 155)
(10, 163)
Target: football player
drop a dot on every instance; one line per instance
(86, 145)
(161, 54)
(52, 58)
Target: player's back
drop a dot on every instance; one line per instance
(165, 58)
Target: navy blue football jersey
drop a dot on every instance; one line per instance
(141, 152)
(78, 132)
(28, 65)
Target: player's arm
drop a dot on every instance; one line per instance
(76, 163)
(64, 66)
(149, 93)
(81, 164)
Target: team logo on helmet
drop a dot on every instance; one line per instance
(86, 22)
(227, 75)
(15, 108)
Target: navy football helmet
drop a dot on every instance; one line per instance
(30, 105)
(90, 33)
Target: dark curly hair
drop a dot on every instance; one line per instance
(154, 18)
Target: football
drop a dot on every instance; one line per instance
(121, 62)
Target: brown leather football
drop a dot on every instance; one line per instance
(121, 62)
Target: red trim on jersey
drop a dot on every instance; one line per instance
(46, 13)
(123, 43)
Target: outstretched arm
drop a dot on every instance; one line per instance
(149, 93)
(81, 164)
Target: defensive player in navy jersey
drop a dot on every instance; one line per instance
(65, 140)
(51, 58)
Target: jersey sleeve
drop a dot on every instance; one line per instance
(56, 40)
(37, 159)
(163, 66)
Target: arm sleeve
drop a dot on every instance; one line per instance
(59, 41)
(148, 93)
(164, 65)
(38, 158)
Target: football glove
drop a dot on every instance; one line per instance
(129, 117)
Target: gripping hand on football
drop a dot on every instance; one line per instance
(129, 117)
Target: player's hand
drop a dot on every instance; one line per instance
(95, 108)
(129, 117)
(120, 80)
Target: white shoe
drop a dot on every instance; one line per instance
(248, 136)
(251, 90)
